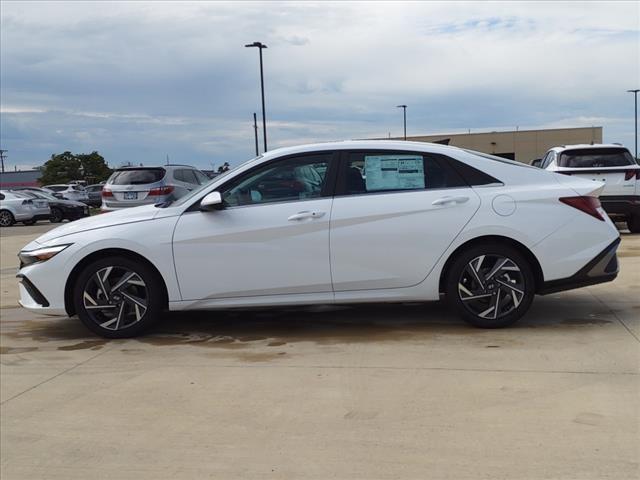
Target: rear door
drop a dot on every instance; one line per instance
(613, 166)
(393, 216)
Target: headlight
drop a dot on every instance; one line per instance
(39, 255)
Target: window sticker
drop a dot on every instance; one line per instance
(394, 172)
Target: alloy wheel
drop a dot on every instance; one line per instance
(491, 286)
(6, 219)
(115, 298)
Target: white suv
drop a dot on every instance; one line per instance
(69, 192)
(609, 163)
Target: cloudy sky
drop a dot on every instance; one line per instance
(138, 81)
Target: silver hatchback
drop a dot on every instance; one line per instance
(135, 186)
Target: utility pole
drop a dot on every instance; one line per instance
(404, 114)
(260, 46)
(2, 157)
(255, 131)
(635, 94)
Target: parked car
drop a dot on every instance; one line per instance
(609, 163)
(69, 192)
(427, 220)
(17, 207)
(95, 194)
(60, 209)
(135, 186)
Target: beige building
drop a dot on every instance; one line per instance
(521, 145)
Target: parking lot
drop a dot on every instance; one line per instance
(328, 392)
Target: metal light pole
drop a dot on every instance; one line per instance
(260, 46)
(635, 94)
(255, 131)
(404, 114)
(2, 157)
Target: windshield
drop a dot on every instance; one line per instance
(43, 195)
(596, 158)
(202, 188)
(136, 176)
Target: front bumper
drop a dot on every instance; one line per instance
(621, 205)
(602, 268)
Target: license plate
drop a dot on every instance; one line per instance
(130, 195)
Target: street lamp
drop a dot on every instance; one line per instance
(635, 94)
(404, 114)
(260, 46)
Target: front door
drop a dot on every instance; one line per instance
(271, 238)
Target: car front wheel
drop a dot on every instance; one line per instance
(491, 286)
(56, 215)
(633, 223)
(118, 297)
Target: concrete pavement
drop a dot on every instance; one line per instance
(402, 391)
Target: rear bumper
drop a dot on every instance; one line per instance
(602, 268)
(623, 205)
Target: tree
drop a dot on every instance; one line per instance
(65, 167)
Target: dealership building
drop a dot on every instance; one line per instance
(521, 145)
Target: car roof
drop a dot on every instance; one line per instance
(361, 145)
(562, 148)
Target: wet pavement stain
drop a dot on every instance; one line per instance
(585, 321)
(16, 350)
(86, 344)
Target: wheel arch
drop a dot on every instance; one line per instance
(97, 255)
(493, 240)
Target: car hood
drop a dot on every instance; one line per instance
(69, 203)
(118, 217)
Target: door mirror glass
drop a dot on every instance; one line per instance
(213, 201)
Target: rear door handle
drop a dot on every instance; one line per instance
(306, 214)
(450, 200)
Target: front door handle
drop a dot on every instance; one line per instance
(450, 200)
(306, 214)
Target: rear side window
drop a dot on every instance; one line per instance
(185, 175)
(373, 172)
(596, 158)
(137, 176)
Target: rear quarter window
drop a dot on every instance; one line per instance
(137, 176)
(596, 158)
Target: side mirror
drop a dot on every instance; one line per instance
(213, 201)
(536, 162)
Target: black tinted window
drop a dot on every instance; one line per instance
(137, 176)
(596, 158)
(370, 172)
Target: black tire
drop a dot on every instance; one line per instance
(633, 223)
(118, 321)
(56, 215)
(29, 222)
(511, 287)
(6, 218)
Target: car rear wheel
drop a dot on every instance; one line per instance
(117, 297)
(56, 215)
(633, 223)
(491, 286)
(6, 218)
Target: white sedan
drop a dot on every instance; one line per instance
(344, 222)
(17, 207)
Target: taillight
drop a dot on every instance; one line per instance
(629, 174)
(166, 190)
(589, 205)
(106, 193)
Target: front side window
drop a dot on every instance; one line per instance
(387, 171)
(292, 179)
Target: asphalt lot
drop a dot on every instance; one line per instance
(395, 391)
